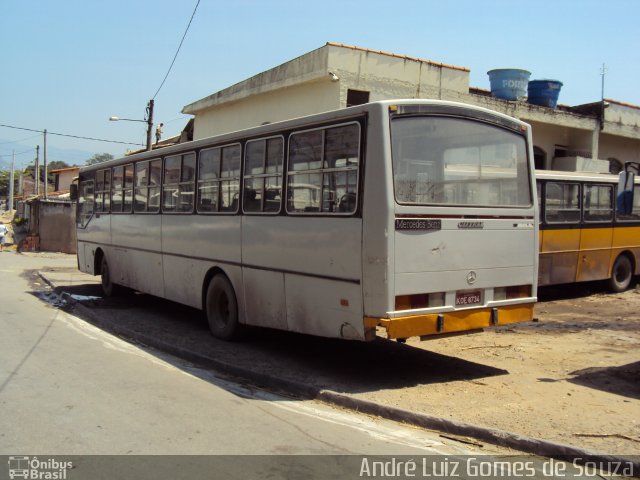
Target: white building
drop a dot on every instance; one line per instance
(336, 76)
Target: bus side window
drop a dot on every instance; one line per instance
(634, 215)
(219, 179)
(540, 202)
(179, 182)
(128, 188)
(230, 175)
(562, 202)
(141, 182)
(103, 190)
(323, 170)
(598, 203)
(116, 191)
(85, 203)
(262, 175)
(155, 176)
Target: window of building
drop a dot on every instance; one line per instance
(539, 158)
(103, 190)
(598, 203)
(147, 186)
(615, 166)
(323, 170)
(562, 202)
(357, 97)
(179, 183)
(263, 175)
(219, 179)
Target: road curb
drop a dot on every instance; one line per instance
(493, 436)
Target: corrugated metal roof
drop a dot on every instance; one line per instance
(430, 62)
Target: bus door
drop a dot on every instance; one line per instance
(596, 235)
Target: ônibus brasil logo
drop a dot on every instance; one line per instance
(35, 469)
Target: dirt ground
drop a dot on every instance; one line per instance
(572, 377)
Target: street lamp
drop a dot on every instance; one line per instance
(148, 121)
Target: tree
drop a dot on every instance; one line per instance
(57, 165)
(99, 158)
(4, 184)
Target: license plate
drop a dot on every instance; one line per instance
(468, 298)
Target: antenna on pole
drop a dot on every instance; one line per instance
(603, 72)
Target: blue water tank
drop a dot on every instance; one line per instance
(509, 83)
(544, 92)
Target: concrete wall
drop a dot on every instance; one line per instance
(66, 178)
(394, 76)
(283, 104)
(303, 86)
(57, 226)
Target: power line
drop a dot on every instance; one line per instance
(21, 140)
(71, 136)
(178, 51)
(21, 153)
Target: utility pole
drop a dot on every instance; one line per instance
(36, 172)
(46, 179)
(603, 72)
(149, 123)
(13, 161)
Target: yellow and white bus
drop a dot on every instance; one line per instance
(397, 218)
(583, 234)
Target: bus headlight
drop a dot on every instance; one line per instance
(508, 293)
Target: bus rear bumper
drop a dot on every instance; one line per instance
(451, 322)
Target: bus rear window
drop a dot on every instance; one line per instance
(452, 161)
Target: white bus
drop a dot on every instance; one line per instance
(398, 219)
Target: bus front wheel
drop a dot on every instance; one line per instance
(621, 274)
(222, 309)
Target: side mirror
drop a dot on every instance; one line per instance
(73, 191)
(624, 202)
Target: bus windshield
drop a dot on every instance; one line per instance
(452, 161)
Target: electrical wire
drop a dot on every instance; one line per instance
(21, 140)
(20, 153)
(71, 136)
(178, 51)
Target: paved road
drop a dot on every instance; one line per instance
(67, 387)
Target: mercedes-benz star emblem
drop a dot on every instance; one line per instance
(471, 277)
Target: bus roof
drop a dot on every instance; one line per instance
(578, 176)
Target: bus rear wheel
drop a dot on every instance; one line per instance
(222, 309)
(621, 274)
(108, 287)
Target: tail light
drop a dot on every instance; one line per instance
(420, 300)
(509, 293)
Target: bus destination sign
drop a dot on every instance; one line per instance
(418, 224)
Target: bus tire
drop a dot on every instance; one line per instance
(222, 309)
(108, 287)
(621, 274)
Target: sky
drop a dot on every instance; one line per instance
(69, 65)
